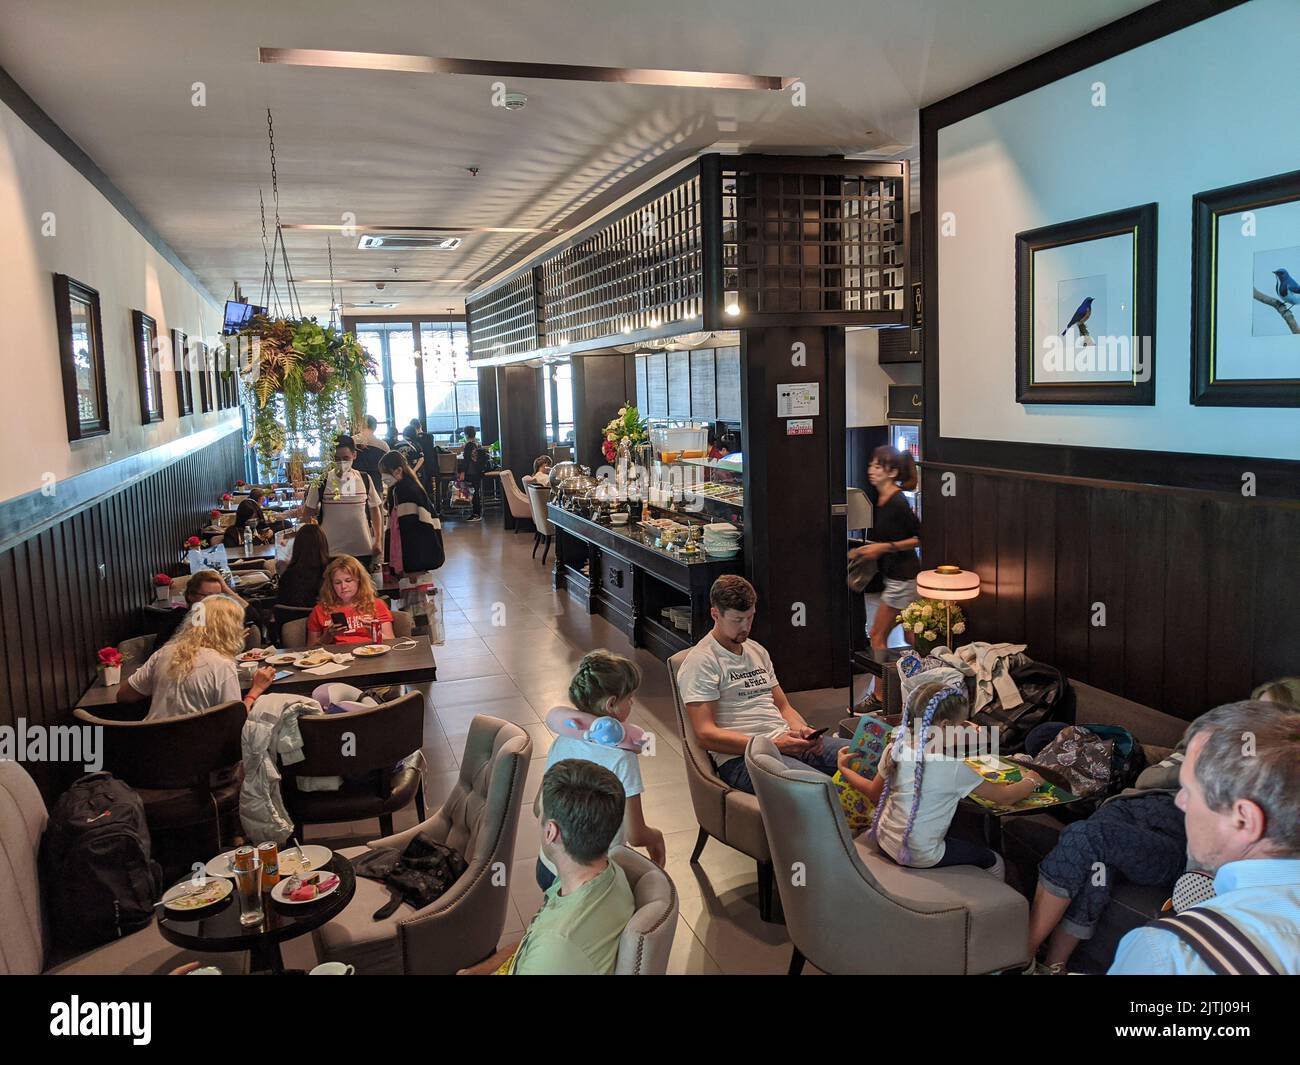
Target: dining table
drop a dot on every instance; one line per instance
(411, 661)
(217, 928)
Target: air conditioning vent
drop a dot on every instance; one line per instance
(405, 242)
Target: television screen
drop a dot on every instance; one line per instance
(237, 316)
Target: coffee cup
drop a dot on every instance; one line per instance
(332, 968)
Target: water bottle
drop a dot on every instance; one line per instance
(248, 539)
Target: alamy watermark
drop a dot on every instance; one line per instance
(21, 742)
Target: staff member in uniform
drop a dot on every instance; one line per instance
(347, 506)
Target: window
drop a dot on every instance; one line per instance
(145, 331)
(184, 382)
(81, 355)
(422, 374)
(557, 394)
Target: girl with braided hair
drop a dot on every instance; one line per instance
(918, 786)
(593, 729)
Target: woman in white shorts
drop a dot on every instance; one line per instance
(895, 536)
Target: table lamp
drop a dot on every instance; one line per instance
(948, 584)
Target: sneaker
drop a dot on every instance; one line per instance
(475, 517)
(870, 705)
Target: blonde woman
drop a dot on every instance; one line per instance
(347, 606)
(196, 668)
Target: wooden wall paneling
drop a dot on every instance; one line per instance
(1073, 606)
(1012, 535)
(1147, 530)
(1187, 599)
(11, 673)
(1106, 546)
(984, 556)
(65, 592)
(27, 636)
(1276, 639)
(55, 624)
(1230, 617)
(1040, 570)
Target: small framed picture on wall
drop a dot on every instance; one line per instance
(1246, 294)
(145, 331)
(184, 382)
(81, 358)
(1086, 310)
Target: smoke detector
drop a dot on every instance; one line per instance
(515, 101)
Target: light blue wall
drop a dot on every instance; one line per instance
(1213, 105)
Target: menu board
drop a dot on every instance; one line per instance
(642, 388)
(704, 395)
(657, 385)
(679, 384)
(727, 361)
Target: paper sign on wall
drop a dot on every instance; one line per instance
(798, 427)
(798, 401)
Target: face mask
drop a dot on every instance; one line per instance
(389, 480)
(345, 465)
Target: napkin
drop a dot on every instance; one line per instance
(326, 669)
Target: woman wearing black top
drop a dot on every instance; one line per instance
(300, 582)
(895, 536)
(249, 512)
(414, 540)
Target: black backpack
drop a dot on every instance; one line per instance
(100, 878)
(1047, 696)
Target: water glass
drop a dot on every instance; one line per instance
(248, 885)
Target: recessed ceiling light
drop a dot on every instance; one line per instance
(423, 64)
(406, 242)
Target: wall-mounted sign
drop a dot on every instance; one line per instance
(904, 403)
(916, 305)
(798, 401)
(799, 427)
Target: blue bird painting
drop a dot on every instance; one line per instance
(1081, 316)
(1288, 288)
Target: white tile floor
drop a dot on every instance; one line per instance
(512, 645)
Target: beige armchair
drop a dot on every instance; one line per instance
(520, 509)
(293, 634)
(856, 911)
(729, 816)
(479, 820)
(647, 940)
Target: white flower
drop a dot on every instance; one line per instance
(959, 628)
(919, 627)
(610, 436)
(927, 610)
(930, 634)
(622, 411)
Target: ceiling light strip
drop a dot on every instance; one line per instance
(423, 64)
(323, 227)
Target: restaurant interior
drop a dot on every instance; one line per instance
(535, 489)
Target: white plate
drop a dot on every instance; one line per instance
(180, 897)
(317, 855)
(257, 654)
(280, 892)
(371, 650)
(285, 658)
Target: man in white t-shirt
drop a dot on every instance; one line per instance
(731, 693)
(348, 506)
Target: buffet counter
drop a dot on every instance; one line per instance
(618, 573)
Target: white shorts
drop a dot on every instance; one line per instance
(898, 594)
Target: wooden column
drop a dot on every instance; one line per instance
(599, 389)
(489, 430)
(794, 546)
(520, 417)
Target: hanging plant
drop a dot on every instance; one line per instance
(303, 378)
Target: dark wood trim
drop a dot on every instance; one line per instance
(184, 380)
(146, 363)
(65, 289)
(1140, 222)
(1276, 477)
(12, 95)
(1207, 390)
(714, 316)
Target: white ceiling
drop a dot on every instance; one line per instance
(393, 148)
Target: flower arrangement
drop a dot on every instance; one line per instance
(928, 621)
(110, 656)
(629, 426)
(194, 541)
(241, 484)
(214, 514)
(226, 497)
(161, 580)
(303, 378)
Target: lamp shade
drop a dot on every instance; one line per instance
(948, 582)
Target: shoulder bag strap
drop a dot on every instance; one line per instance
(1218, 942)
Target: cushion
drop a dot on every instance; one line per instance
(354, 937)
(166, 808)
(997, 915)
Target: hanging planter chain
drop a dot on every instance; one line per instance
(270, 289)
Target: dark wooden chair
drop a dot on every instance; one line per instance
(381, 737)
(187, 770)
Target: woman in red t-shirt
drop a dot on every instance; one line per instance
(346, 590)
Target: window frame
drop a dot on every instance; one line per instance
(66, 289)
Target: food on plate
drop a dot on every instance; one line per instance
(370, 650)
(213, 890)
(283, 659)
(315, 658)
(306, 888)
(255, 655)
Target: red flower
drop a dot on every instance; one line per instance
(611, 452)
(161, 580)
(193, 541)
(214, 513)
(110, 656)
(240, 484)
(226, 497)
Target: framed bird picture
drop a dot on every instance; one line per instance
(1246, 294)
(1086, 310)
